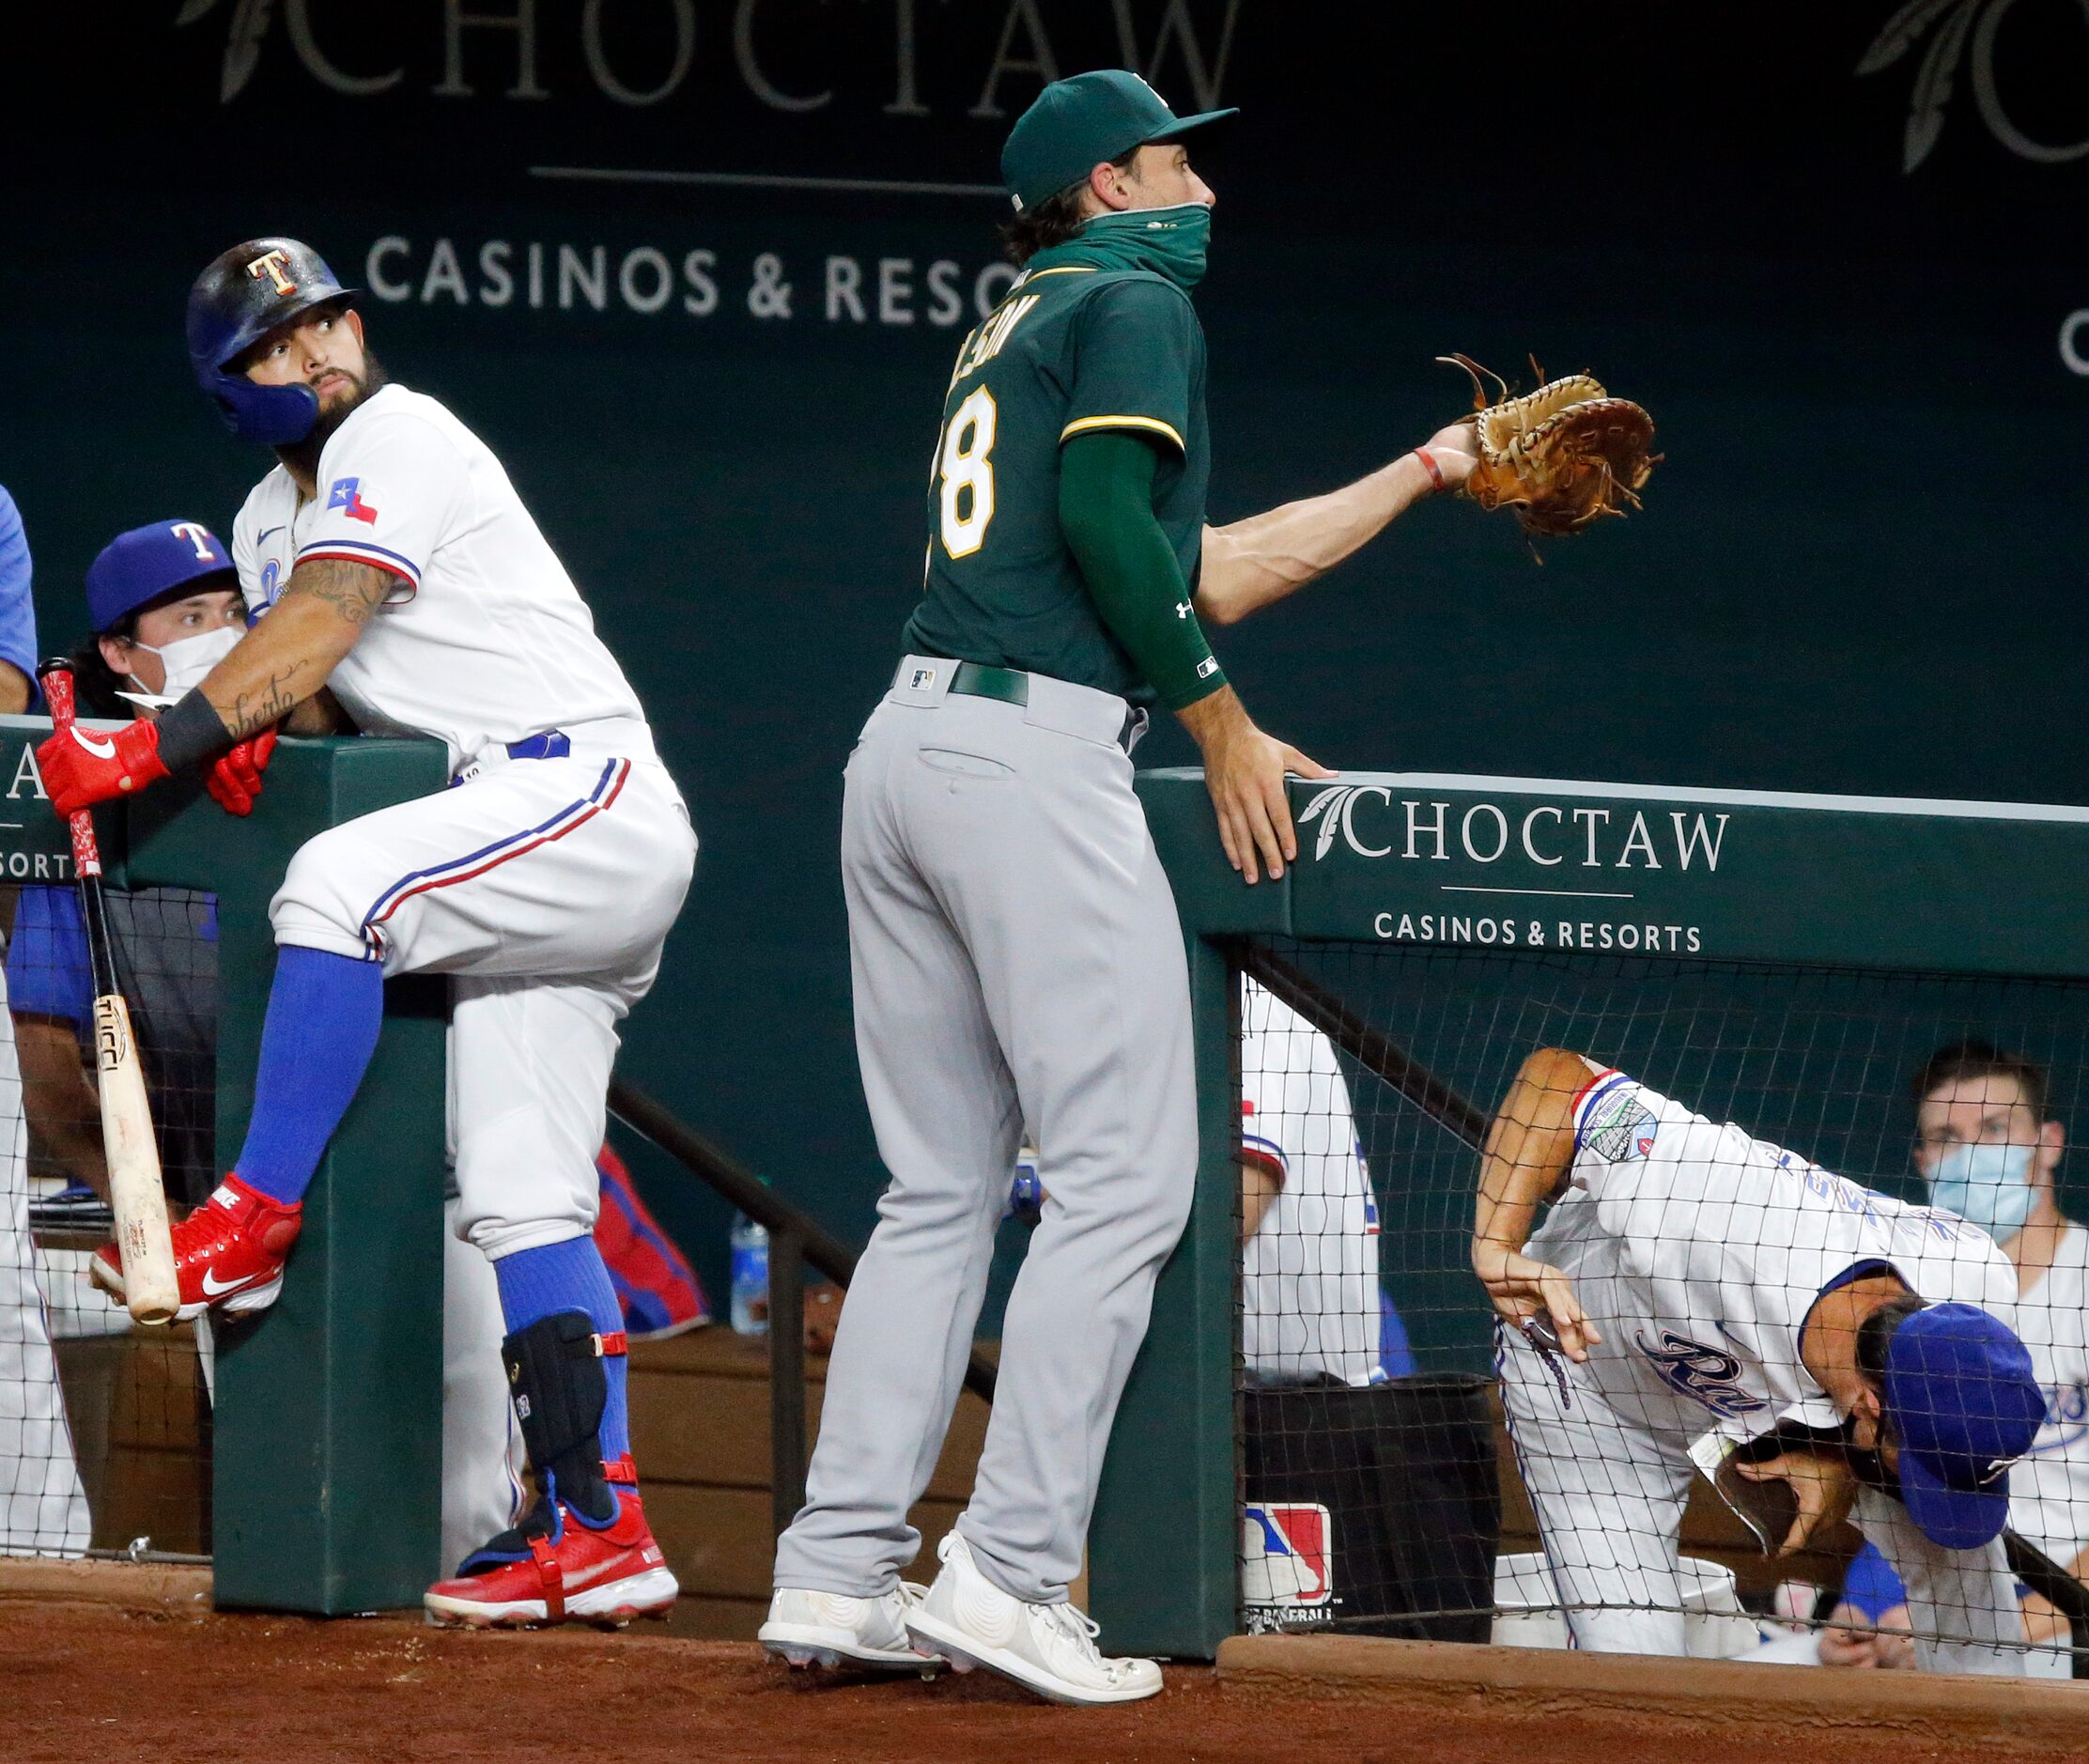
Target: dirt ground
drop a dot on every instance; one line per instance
(80, 1680)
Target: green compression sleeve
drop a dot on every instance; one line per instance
(1105, 510)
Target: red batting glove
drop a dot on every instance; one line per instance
(234, 779)
(83, 766)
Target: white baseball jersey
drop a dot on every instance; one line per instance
(1309, 1274)
(2048, 1489)
(484, 639)
(43, 1508)
(1697, 1252)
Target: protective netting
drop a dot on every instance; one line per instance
(1741, 1139)
(104, 1427)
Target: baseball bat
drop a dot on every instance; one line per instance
(136, 1191)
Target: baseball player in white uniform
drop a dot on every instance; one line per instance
(164, 602)
(1988, 1151)
(43, 1509)
(389, 559)
(1696, 1277)
(1309, 1220)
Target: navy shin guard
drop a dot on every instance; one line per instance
(556, 1373)
(556, 1378)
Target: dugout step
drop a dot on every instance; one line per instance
(1927, 1713)
(700, 1430)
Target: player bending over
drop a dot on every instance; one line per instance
(1697, 1278)
(388, 559)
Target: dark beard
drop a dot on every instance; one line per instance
(302, 457)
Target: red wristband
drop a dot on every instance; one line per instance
(1429, 466)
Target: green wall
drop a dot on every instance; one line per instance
(1860, 569)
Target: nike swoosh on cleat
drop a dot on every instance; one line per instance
(610, 1566)
(214, 1288)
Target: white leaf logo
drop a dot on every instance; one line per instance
(1327, 809)
(1902, 32)
(1939, 69)
(1961, 35)
(244, 36)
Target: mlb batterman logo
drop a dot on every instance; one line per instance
(1287, 1564)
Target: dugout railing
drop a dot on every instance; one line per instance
(324, 1464)
(796, 1241)
(325, 1475)
(326, 1469)
(1778, 959)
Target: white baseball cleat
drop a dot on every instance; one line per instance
(1048, 1649)
(829, 1628)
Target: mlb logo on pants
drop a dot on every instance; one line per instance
(1287, 1563)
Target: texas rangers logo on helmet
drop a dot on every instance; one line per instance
(1287, 1564)
(273, 264)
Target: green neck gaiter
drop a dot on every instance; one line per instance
(1170, 242)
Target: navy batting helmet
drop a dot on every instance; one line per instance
(246, 293)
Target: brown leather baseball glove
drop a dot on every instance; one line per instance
(1560, 457)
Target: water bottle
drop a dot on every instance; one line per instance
(751, 1276)
(1026, 1194)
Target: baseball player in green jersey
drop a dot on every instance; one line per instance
(1014, 947)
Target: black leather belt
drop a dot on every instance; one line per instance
(976, 680)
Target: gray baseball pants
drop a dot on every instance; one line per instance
(1016, 959)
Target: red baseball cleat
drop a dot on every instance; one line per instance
(227, 1253)
(555, 1567)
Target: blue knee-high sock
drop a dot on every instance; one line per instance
(570, 1276)
(324, 1013)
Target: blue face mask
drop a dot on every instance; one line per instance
(1988, 1185)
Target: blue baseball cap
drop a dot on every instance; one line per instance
(139, 566)
(1961, 1396)
(1077, 124)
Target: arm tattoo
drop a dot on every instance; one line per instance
(269, 702)
(296, 652)
(354, 591)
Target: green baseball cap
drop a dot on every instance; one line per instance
(1076, 123)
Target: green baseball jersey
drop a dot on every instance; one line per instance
(1070, 351)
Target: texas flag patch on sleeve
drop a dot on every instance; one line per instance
(347, 495)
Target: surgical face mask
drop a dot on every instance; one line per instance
(1988, 1185)
(187, 662)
